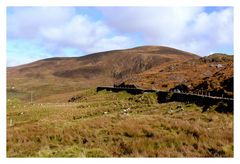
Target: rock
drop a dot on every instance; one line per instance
(180, 109)
(219, 65)
(170, 111)
(21, 113)
(179, 106)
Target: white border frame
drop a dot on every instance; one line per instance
(5, 3)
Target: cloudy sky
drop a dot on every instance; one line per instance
(35, 33)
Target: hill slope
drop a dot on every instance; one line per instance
(211, 73)
(61, 75)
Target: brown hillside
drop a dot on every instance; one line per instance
(211, 73)
(58, 75)
(114, 64)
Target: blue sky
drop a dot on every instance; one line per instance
(35, 33)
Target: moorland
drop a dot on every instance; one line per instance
(42, 122)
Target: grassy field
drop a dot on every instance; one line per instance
(107, 124)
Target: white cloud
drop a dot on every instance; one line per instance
(60, 28)
(57, 30)
(190, 28)
(77, 32)
(113, 43)
(25, 22)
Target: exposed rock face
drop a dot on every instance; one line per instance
(217, 57)
(207, 75)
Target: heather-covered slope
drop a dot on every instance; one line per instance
(212, 73)
(61, 75)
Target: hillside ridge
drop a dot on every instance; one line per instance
(159, 67)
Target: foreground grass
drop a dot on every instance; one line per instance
(109, 124)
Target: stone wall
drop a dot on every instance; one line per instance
(225, 104)
(200, 100)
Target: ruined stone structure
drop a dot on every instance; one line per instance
(168, 96)
(123, 85)
(200, 100)
(133, 91)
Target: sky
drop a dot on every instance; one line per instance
(35, 33)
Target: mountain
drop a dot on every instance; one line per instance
(149, 67)
(62, 75)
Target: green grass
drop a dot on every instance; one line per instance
(108, 124)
